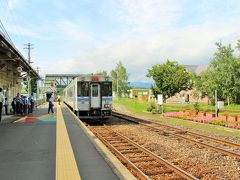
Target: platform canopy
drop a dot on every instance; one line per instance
(12, 60)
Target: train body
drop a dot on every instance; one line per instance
(90, 96)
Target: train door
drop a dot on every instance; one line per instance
(95, 96)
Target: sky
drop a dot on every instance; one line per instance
(85, 36)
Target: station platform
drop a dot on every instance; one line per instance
(44, 146)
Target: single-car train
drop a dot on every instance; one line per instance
(90, 96)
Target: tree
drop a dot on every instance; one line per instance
(204, 85)
(170, 78)
(120, 79)
(102, 72)
(222, 75)
(238, 45)
(33, 85)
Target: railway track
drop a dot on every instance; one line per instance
(217, 145)
(143, 163)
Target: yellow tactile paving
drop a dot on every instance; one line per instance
(66, 166)
(20, 120)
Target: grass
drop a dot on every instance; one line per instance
(232, 107)
(133, 105)
(141, 107)
(138, 106)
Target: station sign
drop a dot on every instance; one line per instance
(220, 104)
(160, 99)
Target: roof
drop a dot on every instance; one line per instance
(10, 54)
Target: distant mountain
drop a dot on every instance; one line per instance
(140, 85)
(196, 68)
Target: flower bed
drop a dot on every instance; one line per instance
(233, 125)
(201, 117)
(176, 114)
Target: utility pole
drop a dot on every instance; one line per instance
(29, 47)
(216, 105)
(117, 85)
(38, 82)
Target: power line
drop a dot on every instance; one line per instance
(13, 20)
(5, 31)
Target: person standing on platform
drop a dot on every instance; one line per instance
(18, 99)
(59, 100)
(29, 105)
(1, 103)
(6, 105)
(13, 104)
(50, 105)
(21, 102)
(25, 105)
(32, 103)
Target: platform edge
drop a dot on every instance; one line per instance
(118, 168)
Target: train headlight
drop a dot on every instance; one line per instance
(107, 106)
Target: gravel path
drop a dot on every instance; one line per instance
(124, 110)
(200, 162)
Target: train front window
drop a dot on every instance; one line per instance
(83, 89)
(94, 90)
(106, 89)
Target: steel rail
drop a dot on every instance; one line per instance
(167, 164)
(202, 136)
(135, 170)
(187, 132)
(217, 149)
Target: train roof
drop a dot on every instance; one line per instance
(93, 77)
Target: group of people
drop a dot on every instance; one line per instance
(23, 105)
(20, 104)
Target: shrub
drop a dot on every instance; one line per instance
(196, 107)
(218, 122)
(151, 106)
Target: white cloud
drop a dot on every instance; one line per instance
(146, 16)
(144, 33)
(188, 45)
(21, 31)
(65, 29)
(73, 30)
(13, 3)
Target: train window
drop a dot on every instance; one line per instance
(94, 90)
(106, 89)
(83, 89)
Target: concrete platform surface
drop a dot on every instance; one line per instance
(28, 148)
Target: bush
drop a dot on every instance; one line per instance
(196, 107)
(151, 106)
(218, 122)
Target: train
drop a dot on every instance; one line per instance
(90, 96)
